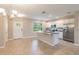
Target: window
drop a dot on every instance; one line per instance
(37, 27)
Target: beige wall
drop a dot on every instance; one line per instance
(5, 28)
(10, 28)
(27, 28)
(3, 31)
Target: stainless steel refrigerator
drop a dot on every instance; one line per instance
(68, 32)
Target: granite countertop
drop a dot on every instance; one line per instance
(48, 33)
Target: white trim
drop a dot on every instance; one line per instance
(27, 37)
(30, 37)
(76, 44)
(9, 39)
(3, 45)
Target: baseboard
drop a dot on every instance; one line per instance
(30, 37)
(76, 44)
(9, 39)
(3, 45)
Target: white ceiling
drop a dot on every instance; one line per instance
(35, 11)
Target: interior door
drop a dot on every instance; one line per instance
(18, 26)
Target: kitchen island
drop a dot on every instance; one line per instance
(51, 38)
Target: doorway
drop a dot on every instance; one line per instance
(17, 29)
